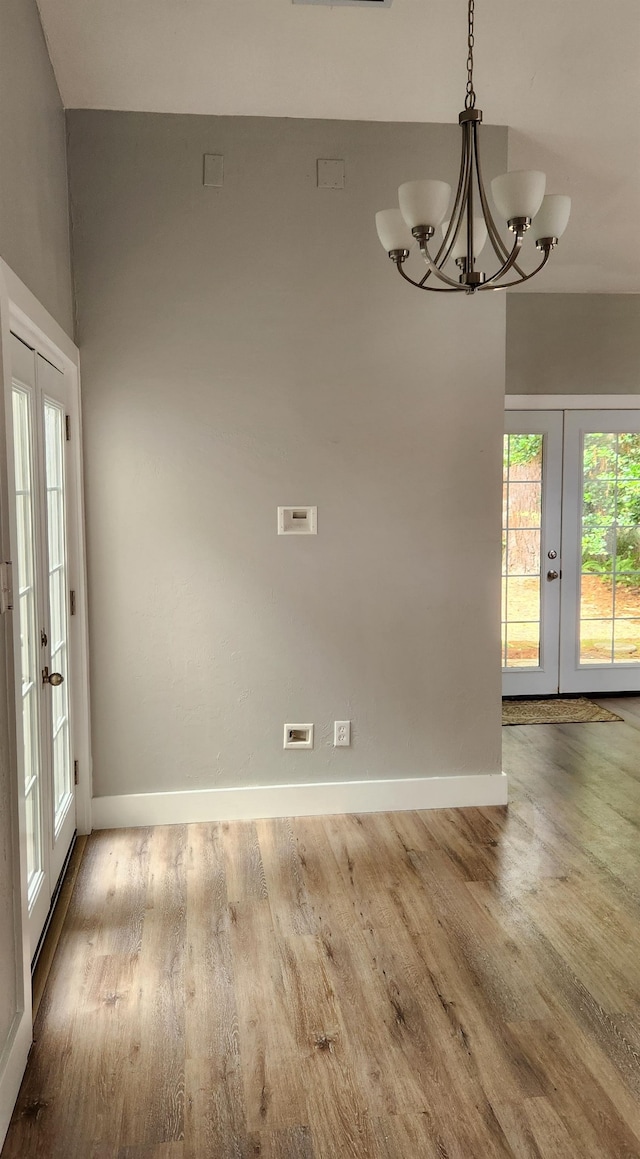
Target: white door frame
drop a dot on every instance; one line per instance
(29, 320)
(569, 674)
(572, 401)
(22, 313)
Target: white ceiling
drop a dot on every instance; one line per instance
(563, 74)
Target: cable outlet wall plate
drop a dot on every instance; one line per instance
(297, 520)
(298, 736)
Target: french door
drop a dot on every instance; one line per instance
(41, 603)
(571, 552)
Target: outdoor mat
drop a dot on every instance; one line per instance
(580, 711)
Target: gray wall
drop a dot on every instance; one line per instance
(573, 343)
(34, 218)
(252, 346)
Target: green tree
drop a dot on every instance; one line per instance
(611, 504)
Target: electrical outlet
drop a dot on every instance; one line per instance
(342, 733)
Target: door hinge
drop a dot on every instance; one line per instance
(6, 587)
(67, 427)
(75, 773)
(72, 603)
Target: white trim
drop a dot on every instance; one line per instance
(16, 1048)
(572, 401)
(28, 311)
(12, 1066)
(79, 624)
(250, 803)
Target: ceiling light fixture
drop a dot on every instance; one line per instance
(519, 198)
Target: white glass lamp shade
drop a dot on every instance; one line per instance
(424, 202)
(519, 194)
(553, 216)
(459, 248)
(392, 230)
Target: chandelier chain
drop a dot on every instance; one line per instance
(470, 98)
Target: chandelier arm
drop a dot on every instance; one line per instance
(500, 249)
(519, 281)
(421, 285)
(466, 175)
(455, 220)
(434, 269)
(510, 262)
(473, 148)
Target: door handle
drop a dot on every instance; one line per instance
(53, 678)
(552, 575)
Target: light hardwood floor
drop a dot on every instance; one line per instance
(445, 985)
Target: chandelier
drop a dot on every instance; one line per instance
(519, 198)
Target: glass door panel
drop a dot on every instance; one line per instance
(54, 440)
(601, 600)
(25, 574)
(521, 523)
(532, 465)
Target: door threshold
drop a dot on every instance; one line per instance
(574, 695)
(48, 942)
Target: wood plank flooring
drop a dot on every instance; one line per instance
(439, 985)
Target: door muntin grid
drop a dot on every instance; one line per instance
(26, 562)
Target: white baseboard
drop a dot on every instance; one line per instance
(247, 804)
(12, 1067)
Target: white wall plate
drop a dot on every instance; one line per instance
(298, 736)
(342, 733)
(297, 520)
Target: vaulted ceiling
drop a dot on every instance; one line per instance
(563, 74)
